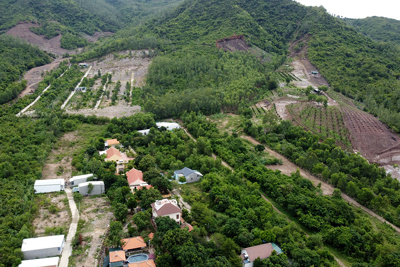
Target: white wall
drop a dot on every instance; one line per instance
(48, 188)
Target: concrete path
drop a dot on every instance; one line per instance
(67, 251)
(101, 97)
(37, 98)
(73, 92)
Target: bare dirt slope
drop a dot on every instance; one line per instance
(96, 36)
(56, 218)
(52, 46)
(34, 76)
(370, 137)
(96, 212)
(117, 111)
(302, 68)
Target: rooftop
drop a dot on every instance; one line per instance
(118, 255)
(148, 263)
(133, 243)
(81, 176)
(49, 182)
(262, 251)
(91, 182)
(169, 125)
(165, 207)
(112, 142)
(134, 177)
(113, 152)
(42, 242)
(46, 262)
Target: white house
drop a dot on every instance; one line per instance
(98, 188)
(46, 262)
(190, 175)
(167, 207)
(47, 186)
(76, 180)
(42, 247)
(169, 125)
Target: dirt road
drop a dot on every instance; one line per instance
(288, 167)
(34, 76)
(67, 251)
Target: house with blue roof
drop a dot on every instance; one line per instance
(190, 175)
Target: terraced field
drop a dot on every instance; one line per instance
(325, 122)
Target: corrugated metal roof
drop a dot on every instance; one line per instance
(54, 241)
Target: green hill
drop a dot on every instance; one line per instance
(378, 28)
(16, 57)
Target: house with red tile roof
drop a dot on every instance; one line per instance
(135, 180)
(133, 243)
(117, 258)
(111, 142)
(167, 207)
(113, 154)
(147, 263)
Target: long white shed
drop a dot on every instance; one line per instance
(46, 262)
(98, 188)
(76, 180)
(47, 186)
(42, 247)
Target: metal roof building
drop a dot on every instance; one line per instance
(47, 186)
(42, 247)
(46, 262)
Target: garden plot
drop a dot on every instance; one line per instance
(53, 216)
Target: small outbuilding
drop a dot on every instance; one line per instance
(48, 186)
(189, 174)
(111, 142)
(76, 180)
(42, 247)
(46, 262)
(314, 72)
(98, 188)
(250, 254)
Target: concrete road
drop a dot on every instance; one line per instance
(67, 251)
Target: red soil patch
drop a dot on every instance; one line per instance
(34, 76)
(372, 138)
(53, 45)
(233, 43)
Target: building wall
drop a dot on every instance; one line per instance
(43, 253)
(48, 188)
(79, 181)
(193, 177)
(97, 190)
(172, 216)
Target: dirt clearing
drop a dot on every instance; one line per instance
(34, 76)
(281, 109)
(126, 67)
(97, 213)
(54, 216)
(52, 46)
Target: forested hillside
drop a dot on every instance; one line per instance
(16, 57)
(123, 12)
(66, 12)
(378, 28)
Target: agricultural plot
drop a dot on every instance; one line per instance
(325, 122)
(117, 95)
(282, 76)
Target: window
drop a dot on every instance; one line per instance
(177, 216)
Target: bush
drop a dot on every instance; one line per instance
(182, 179)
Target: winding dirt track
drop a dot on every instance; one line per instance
(288, 167)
